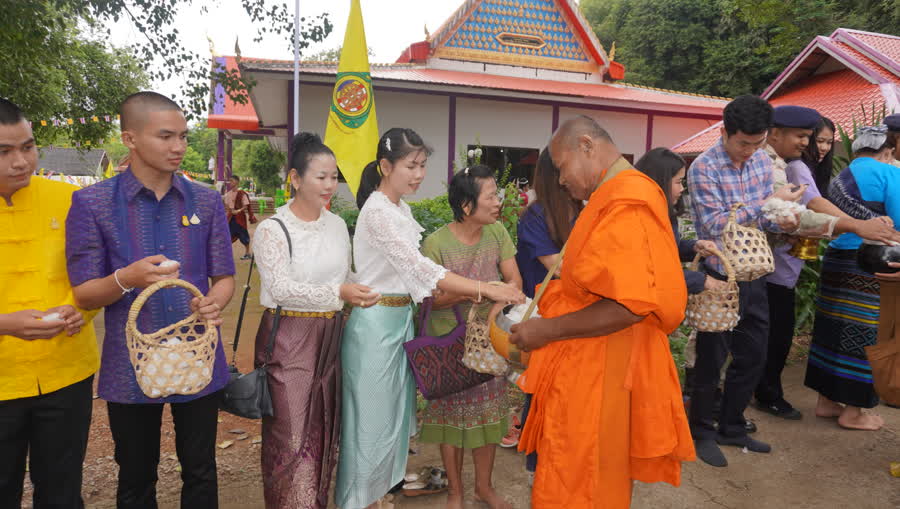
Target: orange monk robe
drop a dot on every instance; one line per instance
(607, 410)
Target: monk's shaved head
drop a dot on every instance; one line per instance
(135, 108)
(573, 129)
(582, 150)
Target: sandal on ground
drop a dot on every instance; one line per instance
(419, 488)
(426, 472)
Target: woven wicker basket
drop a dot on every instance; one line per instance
(177, 359)
(746, 248)
(714, 310)
(480, 355)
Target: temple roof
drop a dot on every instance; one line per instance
(837, 75)
(547, 34)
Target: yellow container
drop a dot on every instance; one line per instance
(501, 344)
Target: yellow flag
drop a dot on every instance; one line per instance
(109, 170)
(352, 131)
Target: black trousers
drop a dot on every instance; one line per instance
(136, 430)
(747, 345)
(52, 431)
(781, 335)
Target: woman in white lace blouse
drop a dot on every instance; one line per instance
(304, 269)
(379, 395)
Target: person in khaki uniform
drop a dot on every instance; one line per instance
(48, 350)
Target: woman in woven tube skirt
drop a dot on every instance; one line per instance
(308, 277)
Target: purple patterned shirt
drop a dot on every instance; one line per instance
(117, 222)
(715, 184)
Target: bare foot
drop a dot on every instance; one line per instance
(454, 501)
(827, 408)
(855, 418)
(491, 498)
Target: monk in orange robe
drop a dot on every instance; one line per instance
(606, 405)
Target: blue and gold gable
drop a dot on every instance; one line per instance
(543, 34)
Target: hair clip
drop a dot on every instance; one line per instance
(387, 144)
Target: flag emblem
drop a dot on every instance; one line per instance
(352, 99)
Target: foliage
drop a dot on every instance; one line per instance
(264, 164)
(346, 211)
(155, 20)
(432, 213)
(512, 204)
(55, 71)
(42, 54)
(194, 162)
(203, 140)
(874, 116)
(723, 47)
(115, 149)
(678, 341)
(806, 293)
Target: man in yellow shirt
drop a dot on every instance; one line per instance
(48, 350)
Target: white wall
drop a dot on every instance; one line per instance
(504, 124)
(628, 130)
(492, 123)
(427, 115)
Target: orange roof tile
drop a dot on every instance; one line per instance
(887, 45)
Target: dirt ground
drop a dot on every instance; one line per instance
(814, 464)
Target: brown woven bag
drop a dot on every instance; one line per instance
(177, 359)
(746, 248)
(480, 355)
(714, 310)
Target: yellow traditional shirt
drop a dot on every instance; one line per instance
(33, 276)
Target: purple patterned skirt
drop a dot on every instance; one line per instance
(300, 441)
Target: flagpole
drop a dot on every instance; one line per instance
(296, 67)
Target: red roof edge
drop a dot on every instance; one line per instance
(616, 71)
(416, 53)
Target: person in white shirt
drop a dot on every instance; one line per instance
(379, 396)
(305, 274)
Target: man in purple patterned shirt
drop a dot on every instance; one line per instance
(735, 170)
(118, 233)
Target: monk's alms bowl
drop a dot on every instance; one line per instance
(873, 257)
(500, 326)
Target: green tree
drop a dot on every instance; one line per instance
(203, 140)
(263, 163)
(54, 71)
(194, 162)
(32, 46)
(724, 47)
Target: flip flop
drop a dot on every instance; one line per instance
(426, 472)
(419, 488)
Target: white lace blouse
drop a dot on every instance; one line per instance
(311, 280)
(386, 250)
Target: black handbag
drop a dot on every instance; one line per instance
(247, 394)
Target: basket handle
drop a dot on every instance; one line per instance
(141, 299)
(732, 215)
(729, 270)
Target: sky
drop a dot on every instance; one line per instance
(391, 26)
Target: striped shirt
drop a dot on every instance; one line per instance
(715, 184)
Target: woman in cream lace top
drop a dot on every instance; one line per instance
(303, 254)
